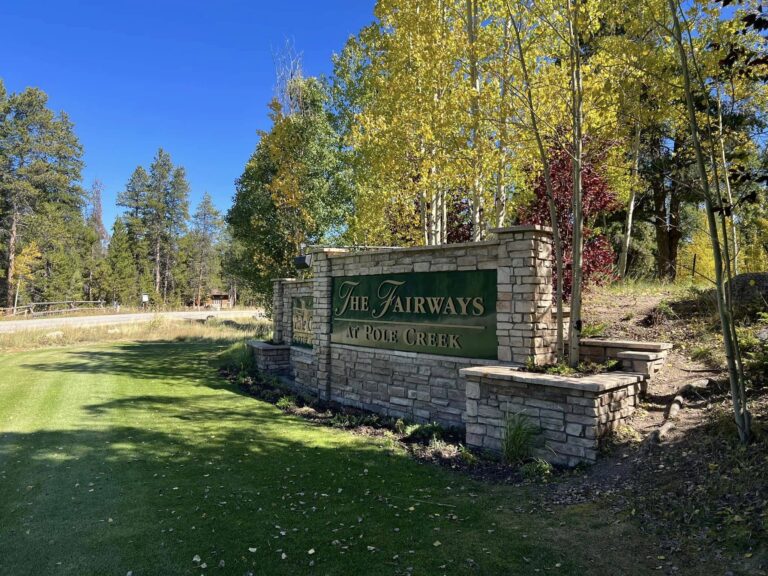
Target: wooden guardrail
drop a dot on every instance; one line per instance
(46, 308)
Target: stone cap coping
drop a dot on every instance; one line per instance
(596, 383)
(633, 345)
(327, 250)
(521, 228)
(636, 355)
(283, 280)
(348, 254)
(261, 345)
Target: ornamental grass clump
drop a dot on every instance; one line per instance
(519, 438)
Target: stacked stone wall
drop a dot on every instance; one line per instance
(418, 387)
(571, 414)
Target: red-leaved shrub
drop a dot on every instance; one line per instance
(597, 199)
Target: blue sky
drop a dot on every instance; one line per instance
(193, 77)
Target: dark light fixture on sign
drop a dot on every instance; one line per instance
(303, 262)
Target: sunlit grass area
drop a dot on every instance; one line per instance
(134, 456)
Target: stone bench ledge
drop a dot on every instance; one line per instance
(261, 345)
(637, 355)
(632, 345)
(595, 383)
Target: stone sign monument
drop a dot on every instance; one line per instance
(442, 333)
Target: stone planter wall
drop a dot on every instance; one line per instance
(270, 358)
(573, 414)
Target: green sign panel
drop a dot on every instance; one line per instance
(301, 322)
(448, 313)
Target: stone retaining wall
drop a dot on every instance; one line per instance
(270, 358)
(418, 387)
(573, 414)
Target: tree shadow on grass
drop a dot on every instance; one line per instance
(154, 360)
(236, 482)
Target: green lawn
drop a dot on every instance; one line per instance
(138, 457)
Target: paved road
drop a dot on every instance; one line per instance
(7, 326)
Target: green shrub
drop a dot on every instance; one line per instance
(537, 469)
(237, 357)
(702, 354)
(594, 330)
(286, 403)
(467, 455)
(424, 432)
(560, 370)
(589, 367)
(519, 438)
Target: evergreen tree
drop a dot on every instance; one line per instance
(122, 279)
(157, 209)
(205, 233)
(40, 163)
(95, 240)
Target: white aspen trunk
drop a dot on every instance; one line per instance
(444, 217)
(553, 216)
(474, 78)
(738, 394)
(576, 98)
(434, 220)
(424, 218)
(627, 237)
(501, 197)
(16, 299)
(727, 181)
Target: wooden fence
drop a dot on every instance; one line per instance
(47, 308)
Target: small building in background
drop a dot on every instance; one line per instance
(219, 300)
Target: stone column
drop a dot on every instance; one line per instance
(524, 319)
(289, 290)
(277, 311)
(322, 301)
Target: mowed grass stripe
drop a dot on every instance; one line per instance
(141, 458)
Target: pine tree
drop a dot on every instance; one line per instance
(95, 240)
(122, 281)
(157, 208)
(40, 163)
(205, 233)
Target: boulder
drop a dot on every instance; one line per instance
(750, 288)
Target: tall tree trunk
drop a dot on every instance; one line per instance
(627, 237)
(576, 103)
(166, 276)
(199, 286)
(443, 216)
(727, 182)
(738, 393)
(157, 266)
(474, 78)
(666, 224)
(501, 196)
(12, 241)
(553, 216)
